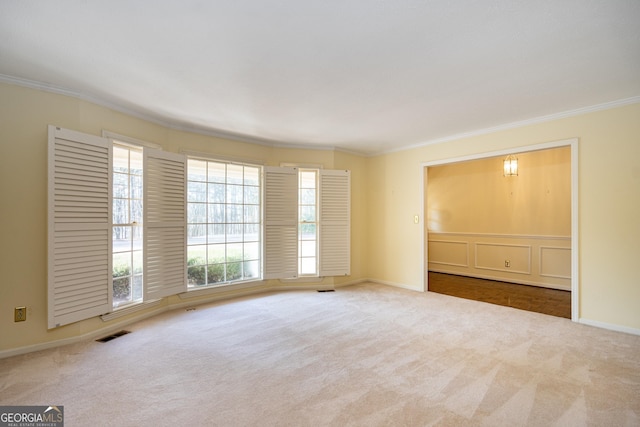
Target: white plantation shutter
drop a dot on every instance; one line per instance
(280, 223)
(335, 223)
(79, 282)
(165, 223)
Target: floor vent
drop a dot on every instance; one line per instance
(326, 290)
(113, 336)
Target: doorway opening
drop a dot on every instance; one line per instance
(522, 230)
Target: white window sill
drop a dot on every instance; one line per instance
(198, 292)
(125, 311)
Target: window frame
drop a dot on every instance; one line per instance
(302, 254)
(227, 205)
(135, 226)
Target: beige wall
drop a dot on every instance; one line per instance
(24, 116)
(386, 194)
(517, 229)
(609, 207)
(475, 197)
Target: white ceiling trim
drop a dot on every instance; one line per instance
(266, 142)
(522, 123)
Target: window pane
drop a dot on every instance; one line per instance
(120, 185)
(196, 255)
(196, 234)
(307, 197)
(216, 193)
(121, 239)
(307, 231)
(136, 238)
(234, 193)
(251, 232)
(196, 170)
(136, 288)
(216, 254)
(197, 191)
(136, 187)
(234, 252)
(251, 176)
(251, 269)
(307, 266)
(120, 211)
(234, 213)
(252, 195)
(251, 251)
(121, 290)
(136, 211)
(121, 264)
(215, 273)
(120, 159)
(216, 213)
(137, 262)
(135, 162)
(307, 248)
(234, 232)
(234, 271)
(307, 213)
(196, 212)
(217, 172)
(251, 214)
(307, 179)
(216, 233)
(234, 174)
(196, 275)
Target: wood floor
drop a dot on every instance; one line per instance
(531, 298)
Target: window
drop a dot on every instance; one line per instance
(123, 221)
(223, 223)
(307, 222)
(127, 229)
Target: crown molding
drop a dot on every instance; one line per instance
(162, 121)
(520, 123)
(186, 127)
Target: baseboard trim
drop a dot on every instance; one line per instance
(89, 336)
(609, 326)
(394, 284)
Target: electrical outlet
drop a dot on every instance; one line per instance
(507, 263)
(20, 314)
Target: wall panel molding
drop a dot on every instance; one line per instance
(525, 259)
(503, 257)
(449, 252)
(555, 262)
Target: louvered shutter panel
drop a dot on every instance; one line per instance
(165, 224)
(79, 282)
(335, 223)
(280, 223)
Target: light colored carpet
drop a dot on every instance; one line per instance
(365, 355)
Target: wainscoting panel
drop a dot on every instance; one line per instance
(449, 252)
(530, 260)
(501, 257)
(555, 262)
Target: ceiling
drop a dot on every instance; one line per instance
(367, 76)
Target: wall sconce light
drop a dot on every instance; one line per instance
(510, 166)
